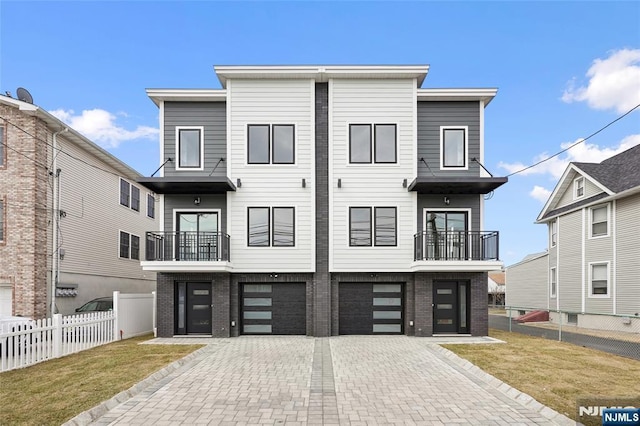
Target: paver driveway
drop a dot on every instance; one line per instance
(337, 380)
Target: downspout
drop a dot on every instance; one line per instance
(55, 220)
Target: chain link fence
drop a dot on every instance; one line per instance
(615, 334)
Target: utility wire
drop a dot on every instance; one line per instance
(577, 143)
(25, 156)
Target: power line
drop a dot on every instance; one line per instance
(577, 143)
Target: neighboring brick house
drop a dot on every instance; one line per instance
(592, 266)
(77, 194)
(322, 200)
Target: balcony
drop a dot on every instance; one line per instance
(187, 252)
(456, 251)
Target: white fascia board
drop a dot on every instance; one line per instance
(186, 266)
(186, 95)
(480, 94)
(531, 259)
(453, 266)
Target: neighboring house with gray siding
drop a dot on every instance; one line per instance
(527, 284)
(322, 200)
(592, 220)
(72, 217)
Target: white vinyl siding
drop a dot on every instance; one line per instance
(271, 102)
(570, 261)
(627, 267)
(526, 283)
(371, 184)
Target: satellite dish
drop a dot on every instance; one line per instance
(24, 95)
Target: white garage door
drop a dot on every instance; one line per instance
(5, 299)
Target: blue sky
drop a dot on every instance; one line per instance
(563, 70)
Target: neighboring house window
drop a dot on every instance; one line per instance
(454, 148)
(271, 144)
(125, 192)
(600, 221)
(1, 219)
(135, 198)
(2, 150)
(599, 279)
(383, 141)
(578, 187)
(151, 206)
(129, 246)
(383, 231)
(553, 232)
(271, 226)
(190, 148)
(553, 285)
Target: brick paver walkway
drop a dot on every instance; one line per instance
(339, 380)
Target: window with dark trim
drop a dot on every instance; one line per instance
(129, 246)
(379, 229)
(151, 206)
(454, 148)
(2, 150)
(135, 247)
(385, 226)
(359, 226)
(271, 226)
(135, 198)
(366, 147)
(190, 148)
(124, 244)
(125, 192)
(271, 144)
(1, 219)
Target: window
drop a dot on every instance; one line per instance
(271, 144)
(599, 279)
(383, 229)
(151, 206)
(599, 221)
(129, 246)
(135, 198)
(190, 148)
(360, 141)
(2, 150)
(578, 187)
(553, 282)
(553, 233)
(453, 148)
(271, 227)
(1, 219)
(124, 192)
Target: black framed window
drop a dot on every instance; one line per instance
(271, 144)
(454, 148)
(124, 244)
(360, 143)
(189, 148)
(283, 144)
(258, 218)
(359, 226)
(125, 192)
(258, 143)
(135, 247)
(151, 206)
(135, 198)
(385, 226)
(385, 143)
(283, 226)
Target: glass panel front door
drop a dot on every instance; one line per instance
(197, 236)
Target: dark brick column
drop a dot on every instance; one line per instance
(423, 291)
(479, 304)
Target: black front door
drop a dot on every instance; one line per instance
(193, 308)
(450, 307)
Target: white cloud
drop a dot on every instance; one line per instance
(614, 83)
(582, 152)
(100, 126)
(539, 193)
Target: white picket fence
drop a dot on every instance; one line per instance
(30, 342)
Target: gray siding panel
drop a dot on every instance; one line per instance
(213, 117)
(455, 202)
(628, 245)
(172, 202)
(527, 284)
(432, 115)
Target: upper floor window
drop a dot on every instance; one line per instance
(129, 246)
(271, 226)
(600, 221)
(454, 147)
(553, 282)
(1, 219)
(599, 273)
(553, 232)
(383, 143)
(382, 230)
(2, 150)
(129, 195)
(578, 188)
(151, 206)
(190, 148)
(271, 144)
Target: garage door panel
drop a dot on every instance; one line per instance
(274, 308)
(368, 308)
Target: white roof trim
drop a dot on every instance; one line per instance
(187, 95)
(477, 94)
(530, 259)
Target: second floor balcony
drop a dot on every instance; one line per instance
(174, 251)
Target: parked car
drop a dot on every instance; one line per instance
(11, 324)
(100, 304)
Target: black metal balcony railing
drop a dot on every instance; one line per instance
(456, 245)
(187, 246)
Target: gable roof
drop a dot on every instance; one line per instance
(529, 258)
(613, 175)
(497, 277)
